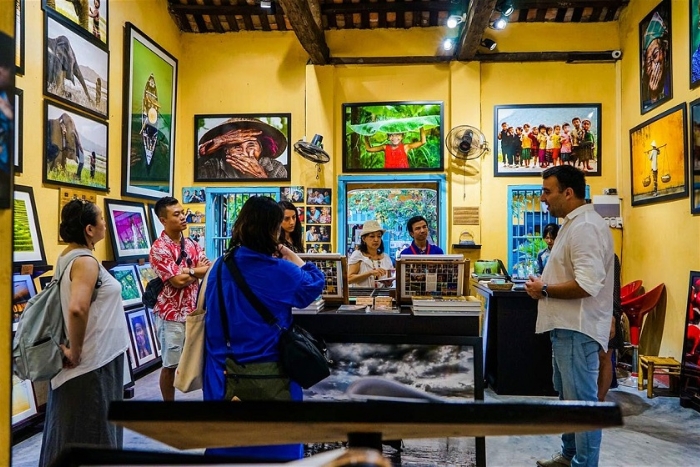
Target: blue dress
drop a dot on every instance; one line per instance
(252, 339)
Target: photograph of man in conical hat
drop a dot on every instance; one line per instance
(249, 147)
(655, 56)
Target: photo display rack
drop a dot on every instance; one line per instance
(335, 268)
(437, 275)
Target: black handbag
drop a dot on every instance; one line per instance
(302, 356)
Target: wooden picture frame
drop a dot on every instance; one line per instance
(23, 401)
(28, 245)
(423, 275)
(23, 288)
(655, 52)
(367, 130)
(335, 268)
(20, 33)
(539, 122)
(150, 89)
(61, 161)
(694, 38)
(128, 278)
(690, 363)
(18, 130)
(694, 155)
(667, 131)
(270, 147)
(83, 21)
(86, 87)
(141, 336)
(128, 229)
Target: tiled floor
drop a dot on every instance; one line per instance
(657, 432)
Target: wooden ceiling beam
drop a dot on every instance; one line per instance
(478, 17)
(397, 6)
(546, 4)
(307, 28)
(407, 60)
(568, 57)
(221, 10)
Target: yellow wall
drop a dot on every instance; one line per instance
(660, 239)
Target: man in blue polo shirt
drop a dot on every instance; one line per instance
(417, 228)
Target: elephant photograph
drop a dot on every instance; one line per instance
(89, 15)
(75, 70)
(75, 149)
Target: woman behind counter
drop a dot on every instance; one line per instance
(290, 233)
(549, 234)
(369, 263)
(93, 368)
(262, 260)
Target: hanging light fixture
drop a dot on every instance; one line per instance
(488, 43)
(448, 44)
(498, 24)
(454, 20)
(505, 7)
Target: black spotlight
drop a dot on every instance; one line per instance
(488, 43)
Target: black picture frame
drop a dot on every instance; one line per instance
(694, 155)
(542, 117)
(87, 86)
(7, 50)
(690, 363)
(155, 225)
(274, 156)
(28, 245)
(694, 38)
(144, 349)
(18, 130)
(60, 161)
(128, 227)
(83, 21)
(655, 39)
(148, 139)
(668, 132)
(373, 122)
(20, 32)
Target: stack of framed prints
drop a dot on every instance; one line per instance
(431, 275)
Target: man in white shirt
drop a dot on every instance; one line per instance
(575, 296)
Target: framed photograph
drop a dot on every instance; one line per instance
(694, 43)
(293, 194)
(659, 166)
(28, 246)
(193, 194)
(141, 336)
(7, 45)
(145, 273)
(242, 147)
(128, 278)
(155, 226)
(150, 87)
(84, 82)
(22, 290)
(194, 217)
(90, 17)
(318, 248)
(531, 138)
(320, 196)
(128, 229)
(156, 341)
(425, 275)
(79, 158)
(198, 235)
(19, 36)
(655, 48)
(19, 107)
(335, 268)
(44, 281)
(695, 154)
(128, 374)
(690, 364)
(393, 136)
(23, 400)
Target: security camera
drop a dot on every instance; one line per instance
(616, 54)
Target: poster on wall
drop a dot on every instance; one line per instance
(655, 48)
(695, 156)
(150, 86)
(19, 36)
(659, 166)
(694, 43)
(90, 17)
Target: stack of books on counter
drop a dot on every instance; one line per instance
(446, 306)
(313, 308)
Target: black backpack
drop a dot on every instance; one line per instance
(155, 286)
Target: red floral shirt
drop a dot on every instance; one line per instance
(174, 304)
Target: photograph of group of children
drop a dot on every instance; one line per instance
(315, 216)
(534, 137)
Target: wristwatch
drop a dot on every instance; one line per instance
(191, 272)
(544, 291)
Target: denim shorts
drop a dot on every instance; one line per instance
(171, 335)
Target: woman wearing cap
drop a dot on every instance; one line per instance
(369, 263)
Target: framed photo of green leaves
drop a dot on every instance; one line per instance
(128, 278)
(393, 137)
(150, 87)
(28, 246)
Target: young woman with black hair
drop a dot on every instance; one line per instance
(290, 233)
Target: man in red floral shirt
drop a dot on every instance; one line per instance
(180, 263)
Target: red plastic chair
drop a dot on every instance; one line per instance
(636, 307)
(630, 290)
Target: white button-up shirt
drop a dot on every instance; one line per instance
(583, 251)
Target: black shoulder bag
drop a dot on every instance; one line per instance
(302, 356)
(155, 286)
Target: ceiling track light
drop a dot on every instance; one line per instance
(505, 8)
(488, 43)
(454, 20)
(498, 24)
(448, 44)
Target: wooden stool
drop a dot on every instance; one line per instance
(649, 365)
